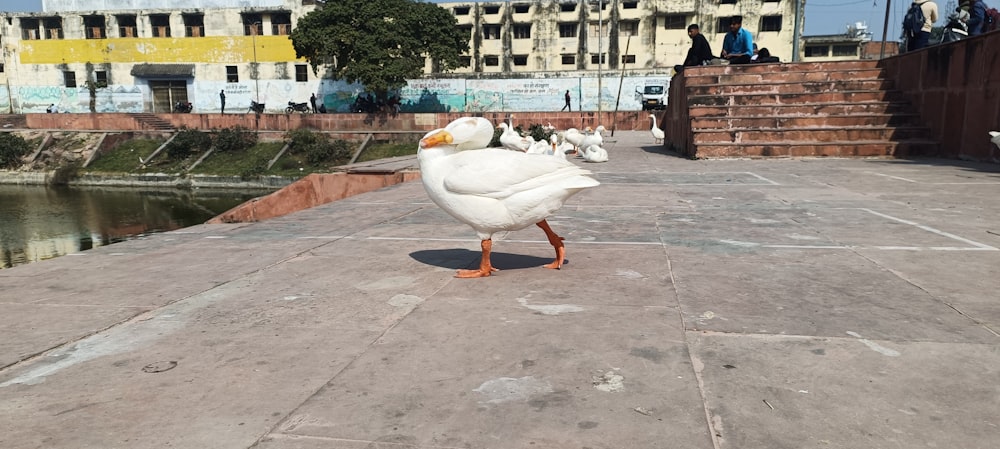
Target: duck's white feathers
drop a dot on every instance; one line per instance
(494, 189)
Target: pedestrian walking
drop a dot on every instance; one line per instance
(568, 99)
(222, 100)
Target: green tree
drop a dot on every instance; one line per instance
(379, 43)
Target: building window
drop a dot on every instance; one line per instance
(491, 32)
(567, 29)
(628, 27)
(675, 22)
(522, 31)
(520, 59)
(160, 24)
(722, 25)
(772, 1)
(813, 51)
(252, 25)
(491, 9)
(465, 60)
(491, 60)
(29, 29)
(232, 75)
(594, 58)
(194, 25)
(845, 50)
(567, 7)
(628, 59)
(93, 27)
(301, 73)
(569, 59)
(281, 24)
(630, 5)
(594, 29)
(727, 2)
(53, 27)
(126, 26)
(467, 29)
(1, 67)
(461, 10)
(101, 78)
(521, 9)
(69, 79)
(770, 23)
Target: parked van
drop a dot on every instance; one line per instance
(653, 95)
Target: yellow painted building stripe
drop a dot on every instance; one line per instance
(209, 49)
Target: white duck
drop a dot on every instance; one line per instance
(595, 153)
(492, 189)
(655, 131)
(595, 138)
(574, 137)
(511, 140)
(539, 147)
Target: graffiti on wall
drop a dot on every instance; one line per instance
(420, 96)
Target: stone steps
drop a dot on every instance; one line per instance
(842, 109)
(151, 121)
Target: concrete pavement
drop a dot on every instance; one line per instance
(705, 304)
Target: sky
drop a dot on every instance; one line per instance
(821, 16)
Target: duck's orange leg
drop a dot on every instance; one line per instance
(485, 267)
(557, 243)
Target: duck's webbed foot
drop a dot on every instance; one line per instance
(485, 267)
(557, 243)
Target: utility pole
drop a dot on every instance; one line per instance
(600, 53)
(256, 66)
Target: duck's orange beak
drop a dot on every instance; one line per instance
(438, 138)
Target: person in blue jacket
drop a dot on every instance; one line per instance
(737, 47)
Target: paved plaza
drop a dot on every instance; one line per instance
(743, 304)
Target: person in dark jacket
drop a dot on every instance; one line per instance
(700, 50)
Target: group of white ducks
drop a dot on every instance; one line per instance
(495, 189)
(587, 144)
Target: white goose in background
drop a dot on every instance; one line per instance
(554, 149)
(595, 153)
(595, 138)
(511, 140)
(492, 189)
(655, 131)
(574, 137)
(539, 147)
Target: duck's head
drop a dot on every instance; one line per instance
(467, 133)
(436, 138)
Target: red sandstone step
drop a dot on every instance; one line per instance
(784, 67)
(806, 135)
(794, 98)
(803, 121)
(791, 88)
(826, 149)
(823, 109)
(691, 80)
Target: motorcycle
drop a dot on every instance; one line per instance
(256, 107)
(183, 106)
(297, 107)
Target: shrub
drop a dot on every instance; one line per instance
(327, 150)
(231, 140)
(188, 142)
(12, 148)
(317, 148)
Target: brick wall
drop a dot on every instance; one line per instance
(956, 89)
(363, 123)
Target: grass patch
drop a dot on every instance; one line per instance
(124, 158)
(252, 162)
(386, 150)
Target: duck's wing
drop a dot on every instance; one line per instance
(496, 173)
